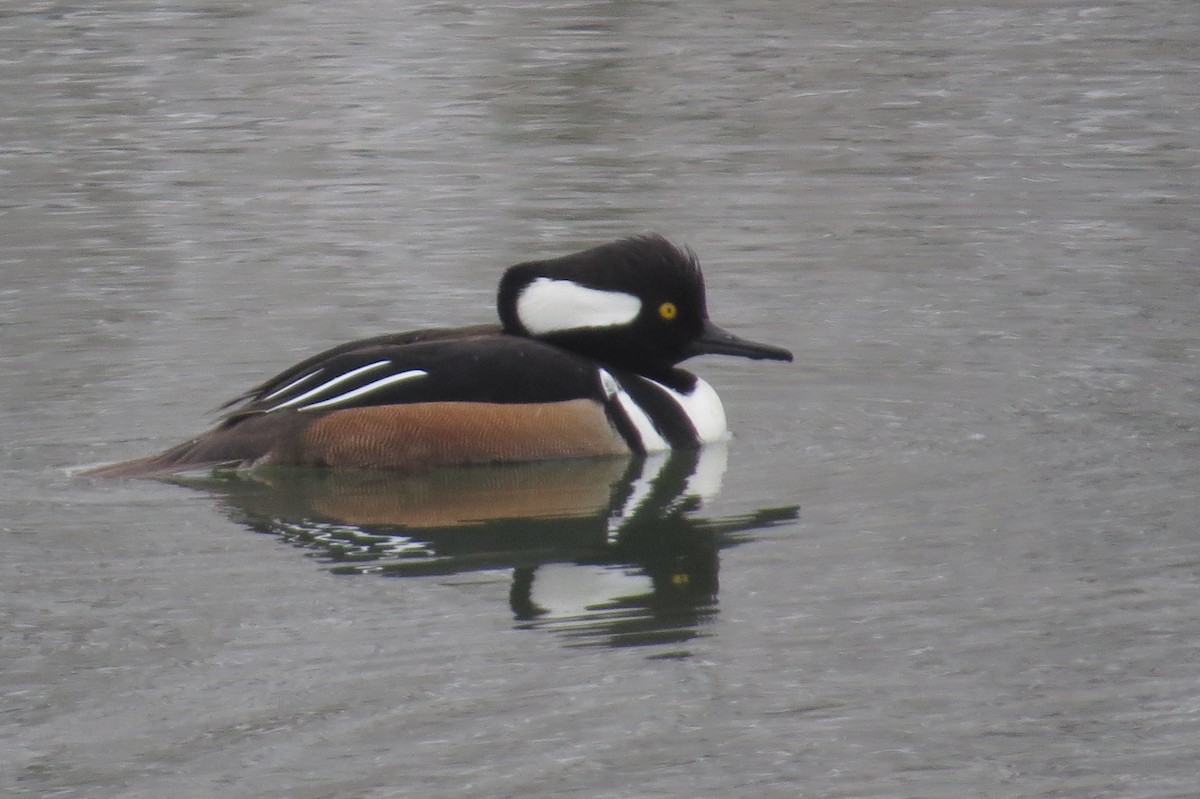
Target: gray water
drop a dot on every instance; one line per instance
(954, 550)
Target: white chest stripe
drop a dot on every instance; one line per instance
(652, 441)
(703, 407)
(328, 384)
(548, 306)
(367, 389)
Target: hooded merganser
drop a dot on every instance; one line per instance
(584, 364)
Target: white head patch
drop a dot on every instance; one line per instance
(550, 306)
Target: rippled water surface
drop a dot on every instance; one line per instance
(951, 551)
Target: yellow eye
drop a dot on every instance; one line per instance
(668, 311)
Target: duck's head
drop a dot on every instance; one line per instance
(637, 303)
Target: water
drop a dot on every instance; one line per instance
(975, 225)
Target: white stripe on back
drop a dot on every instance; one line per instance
(367, 389)
(292, 385)
(342, 378)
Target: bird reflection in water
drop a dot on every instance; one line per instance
(611, 551)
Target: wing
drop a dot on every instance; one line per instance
(469, 365)
(285, 378)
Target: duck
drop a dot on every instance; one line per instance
(584, 363)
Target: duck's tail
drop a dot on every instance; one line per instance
(257, 438)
